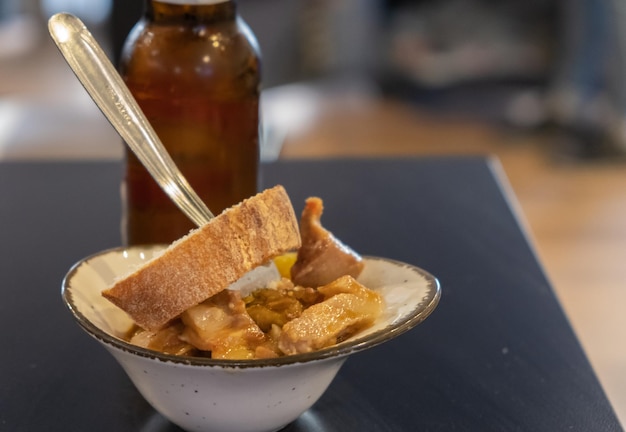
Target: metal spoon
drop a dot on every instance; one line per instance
(105, 86)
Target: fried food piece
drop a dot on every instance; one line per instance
(349, 307)
(322, 258)
(269, 307)
(222, 326)
(279, 304)
(165, 340)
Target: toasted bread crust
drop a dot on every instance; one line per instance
(208, 259)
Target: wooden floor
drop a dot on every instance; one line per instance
(576, 212)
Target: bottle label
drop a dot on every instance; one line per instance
(193, 2)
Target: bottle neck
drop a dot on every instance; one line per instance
(190, 10)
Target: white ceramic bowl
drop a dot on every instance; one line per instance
(200, 394)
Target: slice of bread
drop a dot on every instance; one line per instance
(208, 259)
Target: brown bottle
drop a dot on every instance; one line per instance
(194, 68)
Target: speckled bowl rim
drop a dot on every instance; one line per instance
(419, 314)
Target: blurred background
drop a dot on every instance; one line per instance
(539, 84)
(526, 65)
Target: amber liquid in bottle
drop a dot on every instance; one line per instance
(195, 72)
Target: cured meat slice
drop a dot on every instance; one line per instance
(322, 258)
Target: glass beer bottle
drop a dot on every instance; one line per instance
(194, 69)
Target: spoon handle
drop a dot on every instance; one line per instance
(105, 86)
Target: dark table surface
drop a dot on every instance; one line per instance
(497, 354)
